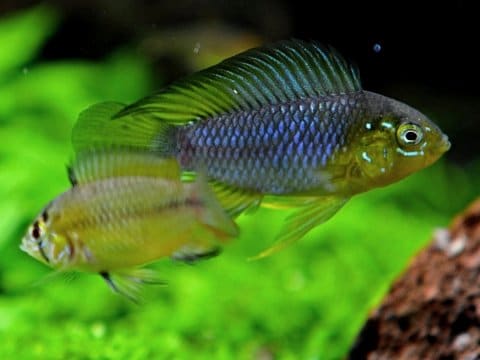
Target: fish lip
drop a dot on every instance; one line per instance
(23, 247)
(26, 245)
(445, 143)
(31, 247)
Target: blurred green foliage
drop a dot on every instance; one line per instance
(305, 302)
(38, 104)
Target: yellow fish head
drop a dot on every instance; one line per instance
(43, 244)
(396, 142)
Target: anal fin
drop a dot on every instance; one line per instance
(234, 200)
(312, 213)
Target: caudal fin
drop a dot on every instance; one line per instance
(99, 127)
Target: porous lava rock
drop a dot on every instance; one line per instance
(433, 310)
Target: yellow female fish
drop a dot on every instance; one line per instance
(125, 210)
(285, 125)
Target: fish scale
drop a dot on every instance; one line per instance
(276, 137)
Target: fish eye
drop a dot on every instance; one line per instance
(409, 134)
(36, 230)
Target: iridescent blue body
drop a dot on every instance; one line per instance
(285, 125)
(277, 149)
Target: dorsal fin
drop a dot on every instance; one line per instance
(107, 148)
(98, 163)
(278, 73)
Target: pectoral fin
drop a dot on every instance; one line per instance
(286, 202)
(129, 282)
(213, 214)
(235, 201)
(192, 253)
(313, 212)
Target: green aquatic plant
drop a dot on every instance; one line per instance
(38, 105)
(305, 302)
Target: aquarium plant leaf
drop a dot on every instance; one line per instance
(22, 35)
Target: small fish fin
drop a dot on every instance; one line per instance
(284, 202)
(234, 200)
(101, 163)
(129, 282)
(192, 253)
(96, 128)
(68, 276)
(71, 176)
(314, 212)
(268, 75)
(213, 213)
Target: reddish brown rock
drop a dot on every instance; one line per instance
(433, 310)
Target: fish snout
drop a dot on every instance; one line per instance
(444, 144)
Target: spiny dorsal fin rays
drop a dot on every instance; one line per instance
(308, 71)
(262, 80)
(304, 85)
(281, 72)
(348, 74)
(270, 76)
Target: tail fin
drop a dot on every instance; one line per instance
(99, 127)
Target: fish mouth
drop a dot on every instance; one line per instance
(27, 245)
(23, 246)
(34, 249)
(444, 143)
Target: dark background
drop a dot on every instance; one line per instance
(428, 54)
